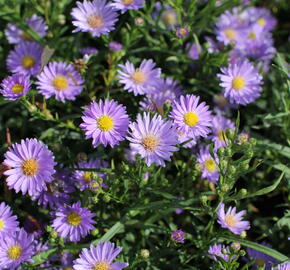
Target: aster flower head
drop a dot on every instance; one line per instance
(194, 51)
(8, 222)
(154, 139)
(241, 83)
(99, 257)
(232, 220)
(58, 191)
(178, 236)
(208, 164)
(15, 35)
(85, 178)
(73, 221)
(87, 52)
(142, 80)
(25, 58)
(15, 86)
(190, 117)
(32, 166)
(15, 250)
(262, 259)
(182, 31)
(115, 46)
(106, 122)
(124, 5)
(61, 80)
(96, 17)
(282, 266)
(215, 251)
(219, 126)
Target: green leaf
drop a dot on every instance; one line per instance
(43, 256)
(266, 250)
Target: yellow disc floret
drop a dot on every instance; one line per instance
(28, 62)
(128, 2)
(14, 252)
(191, 119)
(105, 123)
(1, 224)
(17, 88)
(222, 135)
(138, 77)
(238, 83)
(60, 83)
(230, 220)
(87, 177)
(102, 266)
(261, 21)
(230, 33)
(95, 21)
(30, 167)
(74, 219)
(149, 143)
(210, 165)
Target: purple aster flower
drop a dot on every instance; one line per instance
(32, 166)
(115, 46)
(232, 220)
(96, 17)
(261, 259)
(99, 257)
(73, 221)
(84, 178)
(178, 236)
(32, 226)
(106, 122)
(25, 58)
(57, 192)
(191, 118)
(15, 86)
(142, 80)
(61, 80)
(16, 35)
(67, 260)
(16, 249)
(182, 31)
(219, 126)
(208, 165)
(215, 251)
(193, 51)
(168, 91)
(178, 211)
(153, 139)
(282, 266)
(8, 222)
(261, 49)
(124, 5)
(88, 51)
(212, 46)
(242, 83)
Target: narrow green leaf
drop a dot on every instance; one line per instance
(43, 256)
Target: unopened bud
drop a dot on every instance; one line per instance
(243, 192)
(203, 199)
(225, 187)
(221, 151)
(242, 253)
(236, 246)
(95, 232)
(106, 198)
(139, 21)
(53, 234)
(224, 251)
(232, 170)
(145, 253)
(253, 141)
(243, 234)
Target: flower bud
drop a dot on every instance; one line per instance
(95, 199)
(236, 246)
(145, 253)
(253, 141)
(225, 188)
(243, 234)
(221, 151)
(139, 21)
(243, 192)
(232, 170)
(224, 251)
(203, 199)
(223, 164)
(106, 198)
(228, 152)
(242, 253)
(95, 232)
(53, 234)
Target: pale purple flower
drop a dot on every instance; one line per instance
(61, 80)
(232, 220)
(99, 257)
(154, 139)
(25, 58)
(282, 266)
(124, 5)
(106, 122)
(15, 35)
(8, 222)
(84, 178)
(73, 221)
(182, 31)
(178, 236)
(96, 17)
(141, 80)
(186, 139)
(209, 167)
(194, 51)
(88, 51)
(15, 86)
(15, 250)
(190, 117)
(115, 46)
(32, 166)
(241, 83)
(215, 251)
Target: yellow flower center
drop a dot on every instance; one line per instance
(260, 262)
(17, 88)
(128, 2)
(26, 36)
(191, 119)
(95, 21)
(74, 219)
(30, 167)
(169, 17)
(149, 143)
(14, 252)
(1, 224)
(28, 62)
(138, 77)
(252, 35)
(102, 266)
(60, 83)
(182, 31)
(210, 165)
(105, 123)
(238, 83)
(87, 177)
(261, 21)
(222, 135)
(230, 221)
(67, 268)
(230, 33)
